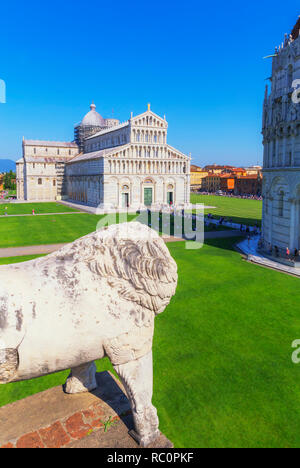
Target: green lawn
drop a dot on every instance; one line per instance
(26, 208)
(52, 229)
(223, 375)
(24, 258)
(240, 210)
(11, 193)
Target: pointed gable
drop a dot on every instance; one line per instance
(149, 119)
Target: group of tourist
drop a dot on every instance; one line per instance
(231, 195)
(4, 196)
(5, 211)
(255, 230)
(280, 252)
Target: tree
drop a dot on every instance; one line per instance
(9, 181)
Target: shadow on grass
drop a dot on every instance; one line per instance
(224, 243)
(236, 219)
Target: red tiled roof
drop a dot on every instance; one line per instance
(195, 168)
(60, 144)
(252, 176)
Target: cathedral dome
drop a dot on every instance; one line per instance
(92, 118)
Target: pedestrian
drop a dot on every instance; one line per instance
(248, 240)
(33, 212)
(276, 251)
(287, 252)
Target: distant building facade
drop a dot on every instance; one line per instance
(227, 183)
(41, 170)
(248, 185)
(232, 180)
(197, 176)
(111, 164)
(281, 140)
(253, 170)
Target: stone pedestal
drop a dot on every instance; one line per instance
(53, 419)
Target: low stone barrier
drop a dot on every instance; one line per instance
(53, 419)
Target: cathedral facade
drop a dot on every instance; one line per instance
(281, 139)
(110, 164)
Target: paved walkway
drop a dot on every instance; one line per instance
(29, 250)
(81, 207)
(95, 210)
(222, 234)
(49, 248)
(250, 250)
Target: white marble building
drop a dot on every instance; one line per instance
(41, 170)
(281, 139)
(123, 165)
(130, 165)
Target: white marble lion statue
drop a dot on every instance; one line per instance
(93, 298)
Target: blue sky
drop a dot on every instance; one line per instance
(198, 62)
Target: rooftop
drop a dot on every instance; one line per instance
(250, 176)
(195, 168)
(96, 154)
(55, 144)
(46, 159)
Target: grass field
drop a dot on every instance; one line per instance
(26, 208)
(24, 258)
(240, 210)
(52, 229)
(223, 375)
